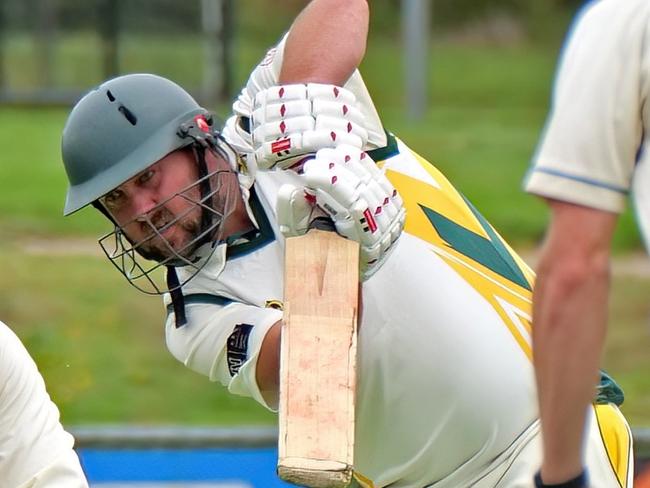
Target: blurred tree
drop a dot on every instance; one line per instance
(3, 30)
(109, 28)
(264, 19)
(45, 32)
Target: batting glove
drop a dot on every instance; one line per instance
(345, 184)
(291, 122)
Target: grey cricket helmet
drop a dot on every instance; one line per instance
(119, 129)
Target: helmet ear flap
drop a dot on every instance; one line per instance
(200, 130)
(205, 133)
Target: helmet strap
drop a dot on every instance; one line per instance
(178, 300)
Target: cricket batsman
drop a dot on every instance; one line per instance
(446, 391)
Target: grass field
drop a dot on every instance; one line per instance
(100, 344)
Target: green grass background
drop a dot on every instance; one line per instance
(100, 344)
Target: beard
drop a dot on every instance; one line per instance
(185, 236)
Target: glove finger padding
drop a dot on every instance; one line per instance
(346, 185)
(291, 122)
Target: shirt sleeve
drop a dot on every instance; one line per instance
(593, 134)
(35, 450)
(223, 343)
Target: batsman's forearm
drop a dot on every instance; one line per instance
(326, 42)
(267, 369)
(569, 324)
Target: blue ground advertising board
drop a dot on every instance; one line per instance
(192, 468)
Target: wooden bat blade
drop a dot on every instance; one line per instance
(318, 360)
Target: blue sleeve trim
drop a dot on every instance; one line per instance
(582, 179)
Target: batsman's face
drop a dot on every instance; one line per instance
(157, 209)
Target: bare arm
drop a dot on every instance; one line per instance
(267, 370)
(569, 324)
(326, 43)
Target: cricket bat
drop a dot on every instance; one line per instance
(318, 360)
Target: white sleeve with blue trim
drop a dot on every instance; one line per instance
(595, 130)
(231, 304)
(223, 343)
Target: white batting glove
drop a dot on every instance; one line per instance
(345, 184)
(290, 122)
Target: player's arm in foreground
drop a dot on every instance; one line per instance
(325, 44)
(584, 168)
(36, 450)
(570, 317)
